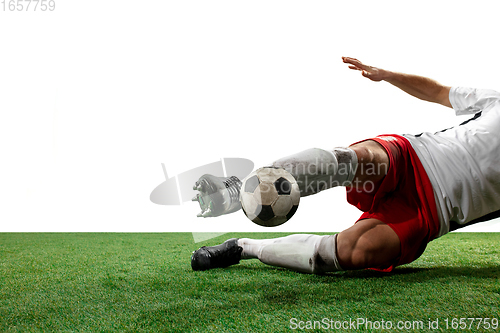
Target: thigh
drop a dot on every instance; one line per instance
(369, 243)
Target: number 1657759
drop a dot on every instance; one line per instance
(27, 5)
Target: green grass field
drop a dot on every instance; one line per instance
(101, 282)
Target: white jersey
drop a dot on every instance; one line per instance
(463, 162)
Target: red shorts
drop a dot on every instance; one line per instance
(404, 200)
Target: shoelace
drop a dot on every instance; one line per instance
(224, 256)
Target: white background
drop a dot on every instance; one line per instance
(97, 94)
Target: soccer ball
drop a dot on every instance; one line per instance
(269, 196)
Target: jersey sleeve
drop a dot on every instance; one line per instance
(472, 100)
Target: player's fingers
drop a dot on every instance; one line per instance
(349, 59)
(357, 63)
(355, 67)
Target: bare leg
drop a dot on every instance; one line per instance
(314, 169)
(373, 162)
(368, 243)
(317, 169)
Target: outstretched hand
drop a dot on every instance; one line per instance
(373, 73)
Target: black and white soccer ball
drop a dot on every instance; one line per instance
(269, 196)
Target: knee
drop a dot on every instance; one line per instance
(351, 253)
(373, 162)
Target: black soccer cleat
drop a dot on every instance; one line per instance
(223, 255)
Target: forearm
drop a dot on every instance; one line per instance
(418, 86)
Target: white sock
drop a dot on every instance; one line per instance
(317, 169)
(301, 252)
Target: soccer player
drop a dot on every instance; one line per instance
(412, 189)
